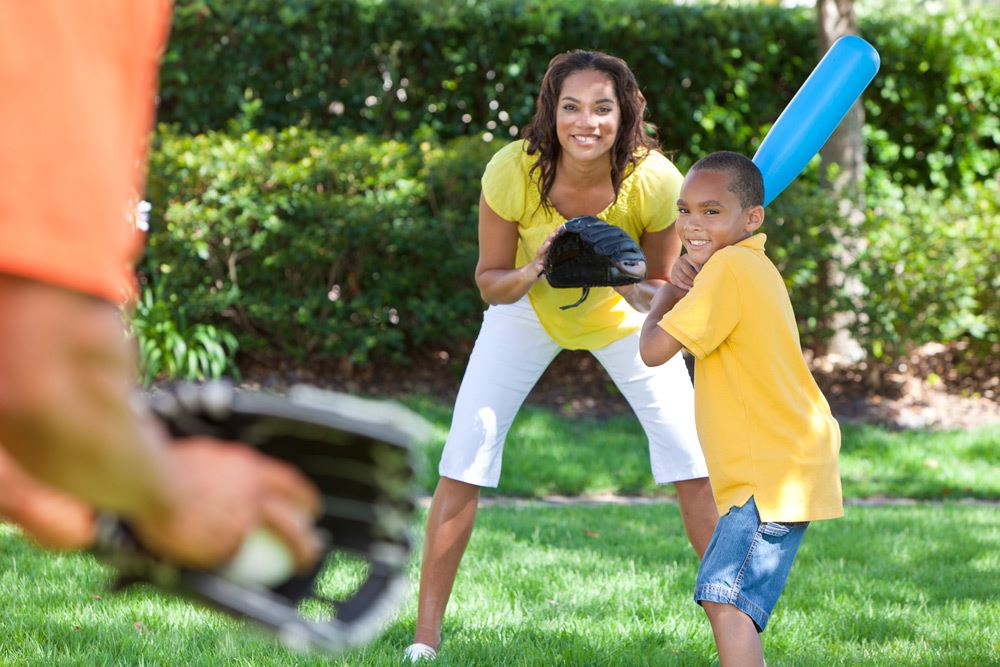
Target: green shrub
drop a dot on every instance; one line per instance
(933, 114)
(310, 246)
(716, 75)
(171, 347)
(929, 268)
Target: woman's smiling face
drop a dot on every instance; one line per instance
(588, 115)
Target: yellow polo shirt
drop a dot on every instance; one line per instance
(647, 201)
(764, 424)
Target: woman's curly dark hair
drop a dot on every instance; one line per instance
(635, 137)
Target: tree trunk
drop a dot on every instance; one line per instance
(842, 170)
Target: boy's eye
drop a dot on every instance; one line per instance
(710, 211)
(681, 209)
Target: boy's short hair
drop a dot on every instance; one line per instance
(745, 179)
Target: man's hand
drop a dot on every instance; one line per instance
(222, 491)
(683, 273)
(355, 454)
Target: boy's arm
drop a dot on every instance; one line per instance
(656, 346)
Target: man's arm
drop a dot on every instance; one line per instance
(53, 519)
(656, 346)
(66, 385)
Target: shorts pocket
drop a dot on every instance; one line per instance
(774, 529)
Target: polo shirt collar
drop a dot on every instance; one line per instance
(754, 242)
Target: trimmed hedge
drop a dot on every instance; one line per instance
(311, 246)
(316, 192)
(317, 247)
(716, 76)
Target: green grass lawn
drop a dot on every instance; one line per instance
(574, 585)
(548, 453)
(602, 584)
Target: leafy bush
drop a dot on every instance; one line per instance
(933, 115)
(173, 347)
(930, 268)
(311, 246)
(391, 67)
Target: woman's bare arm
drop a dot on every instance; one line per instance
(497, 279)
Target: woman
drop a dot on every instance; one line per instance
(586, 152)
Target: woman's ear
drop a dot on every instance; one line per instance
(755, 218)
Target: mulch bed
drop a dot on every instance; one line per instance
(937, 386)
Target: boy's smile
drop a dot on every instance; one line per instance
(710, 216)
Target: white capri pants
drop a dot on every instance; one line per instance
(511, 353)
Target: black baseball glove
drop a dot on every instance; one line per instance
(356, 451)
(591, 253)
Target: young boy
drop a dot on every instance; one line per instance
(769, 439)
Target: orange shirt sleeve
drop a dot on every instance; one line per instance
(79, 81)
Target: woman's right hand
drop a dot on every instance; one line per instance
(537, 265)
(496, 276)
(683, 273)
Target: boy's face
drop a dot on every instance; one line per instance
(710, 216)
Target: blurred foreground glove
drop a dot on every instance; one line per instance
(356, 451)
(591, 253)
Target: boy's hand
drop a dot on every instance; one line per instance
(683, 273)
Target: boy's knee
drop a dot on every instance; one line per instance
(717, 611)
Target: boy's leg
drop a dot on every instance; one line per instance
(741, 578)
(736, 636)
(663, 400)
(511, 353)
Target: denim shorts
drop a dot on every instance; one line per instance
(747, 562)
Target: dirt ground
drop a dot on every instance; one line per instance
(940, 387)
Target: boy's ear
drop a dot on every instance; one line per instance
(755, 218)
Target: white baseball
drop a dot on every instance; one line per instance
(263, 560)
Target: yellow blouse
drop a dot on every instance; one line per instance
(647, 201)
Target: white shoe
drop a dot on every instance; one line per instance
(418, 652)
